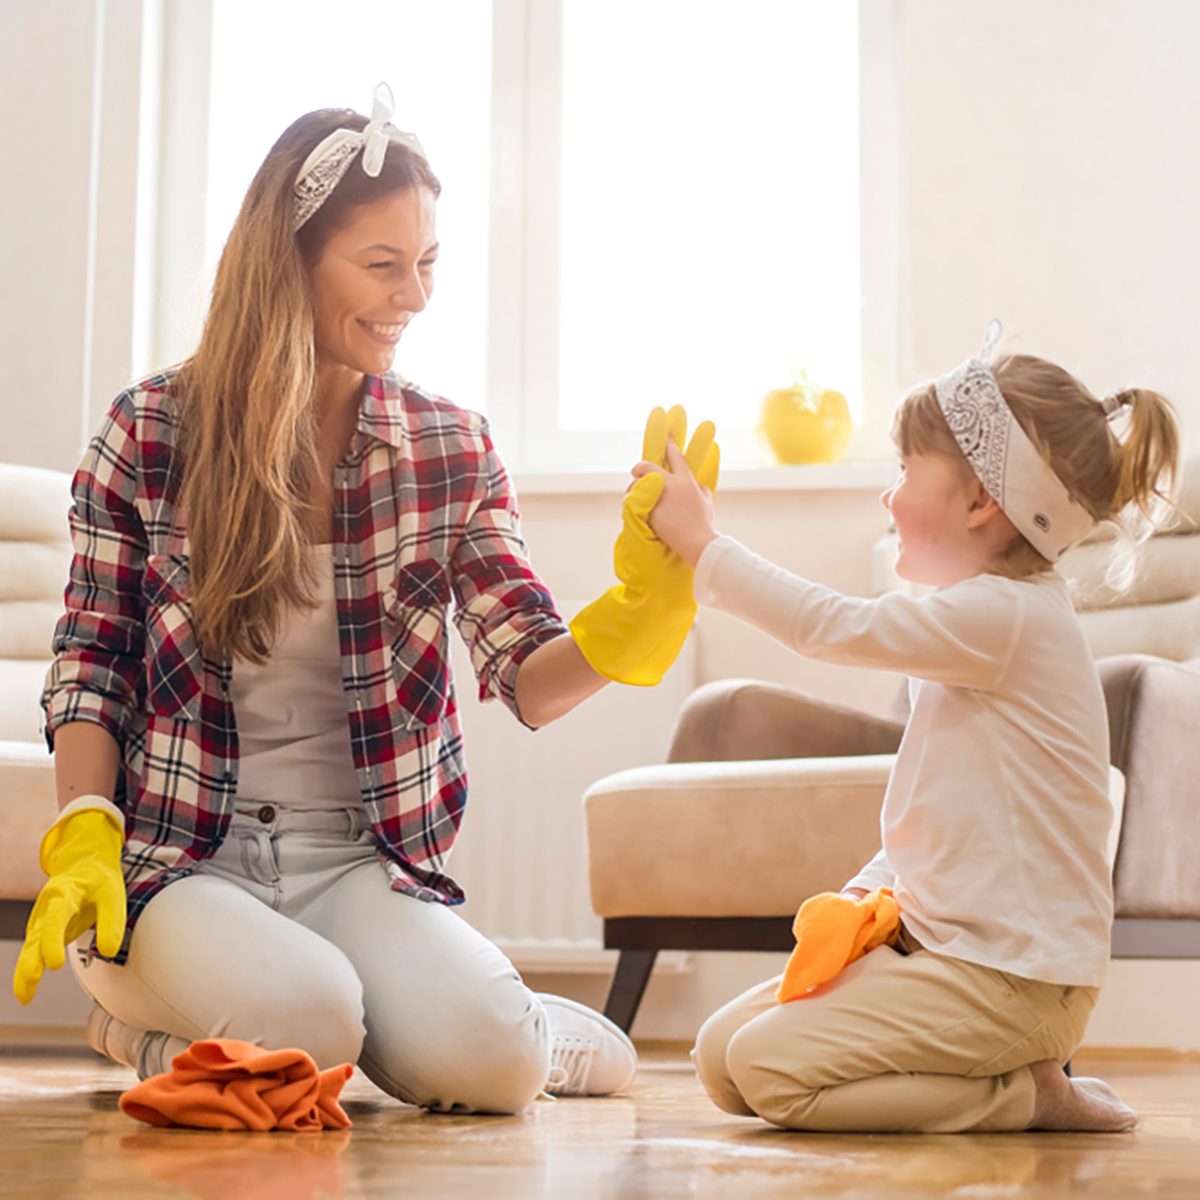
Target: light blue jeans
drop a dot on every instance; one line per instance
(290, 936)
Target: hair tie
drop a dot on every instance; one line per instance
(1114, 402)
(330, 159)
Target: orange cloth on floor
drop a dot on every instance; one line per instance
(221, 1083)
(833, 930)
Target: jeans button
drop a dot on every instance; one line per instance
(266, 814)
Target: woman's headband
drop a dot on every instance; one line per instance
(1014, 474)
(325, 167)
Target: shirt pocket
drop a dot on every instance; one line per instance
(416, 611)
(173, 663)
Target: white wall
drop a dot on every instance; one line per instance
(1049, 160)
(75, 235)
(44, 225)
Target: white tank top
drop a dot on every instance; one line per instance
(293, 731)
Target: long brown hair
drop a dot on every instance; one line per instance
(1124, 480)
(249, 456)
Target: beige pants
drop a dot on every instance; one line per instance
(898, 1042)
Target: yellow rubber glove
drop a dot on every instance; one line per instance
(82, 856)
(634, 632)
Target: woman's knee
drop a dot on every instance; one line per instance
(505, 1084)
(320, 1013)
(475, 1061)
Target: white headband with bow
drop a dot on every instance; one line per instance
(1010, 468)
(325, 167)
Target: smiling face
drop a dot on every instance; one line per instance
(375, 273)
(937, 505)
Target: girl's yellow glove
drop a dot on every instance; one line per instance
(634, 632)
(82, 856)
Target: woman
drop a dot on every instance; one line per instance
(255, 733)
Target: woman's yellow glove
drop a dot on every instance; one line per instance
(634, 632)
(82, 855)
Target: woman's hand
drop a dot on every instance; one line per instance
(81, 854)
(684, 516)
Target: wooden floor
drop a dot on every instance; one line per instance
(61, 1135)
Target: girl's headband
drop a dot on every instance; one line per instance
(324, 168)
(1015, 475)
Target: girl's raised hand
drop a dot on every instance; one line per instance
(684, 515)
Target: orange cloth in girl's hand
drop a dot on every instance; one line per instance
(221, 1083)
(833, 930)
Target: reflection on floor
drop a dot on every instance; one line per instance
(62, 1136)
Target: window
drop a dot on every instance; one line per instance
(709, 228)
(645, 201)
(268, 68)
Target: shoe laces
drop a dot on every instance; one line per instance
(570, 1059)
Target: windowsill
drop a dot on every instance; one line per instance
(815, 477)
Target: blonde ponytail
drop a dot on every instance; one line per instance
(1149, 454)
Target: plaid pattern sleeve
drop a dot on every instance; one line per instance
(504, 611)
(98, 642)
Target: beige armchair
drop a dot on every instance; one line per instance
(35, 556)
(769, 796)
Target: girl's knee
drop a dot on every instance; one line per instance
(708, 1054)
(709, 1059)
(768, 1086)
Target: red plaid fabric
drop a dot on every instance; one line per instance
(425, 527)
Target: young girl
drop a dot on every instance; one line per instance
(997, 813)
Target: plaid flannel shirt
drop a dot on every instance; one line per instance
(424, 517)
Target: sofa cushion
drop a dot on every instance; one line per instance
(33, 504)
(745, 718)
(21, 682)
(1169, 630)
(27, 629)
(1168, 568)
(1154, 713)
(32, 570)
(737, 839)
(27, 809)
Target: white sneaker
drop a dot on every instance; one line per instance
(589, 1055)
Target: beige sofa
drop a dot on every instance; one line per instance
(35, 556)
(769, 796)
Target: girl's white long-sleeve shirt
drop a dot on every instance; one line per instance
(996, 817)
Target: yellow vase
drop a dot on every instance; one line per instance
(805, 424)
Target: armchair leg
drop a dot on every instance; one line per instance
(628, 985)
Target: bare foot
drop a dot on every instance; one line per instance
(1080, 1104)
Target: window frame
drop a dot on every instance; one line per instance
(523, 288)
